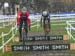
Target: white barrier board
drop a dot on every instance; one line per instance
(38, 16)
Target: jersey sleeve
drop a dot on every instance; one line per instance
(18, 18)
(27, 14)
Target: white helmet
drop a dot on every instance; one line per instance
(44, 13)
(24, 9)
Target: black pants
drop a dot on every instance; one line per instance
(25, 21)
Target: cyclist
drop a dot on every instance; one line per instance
(18, 19)
(23, 19)
(45, 21)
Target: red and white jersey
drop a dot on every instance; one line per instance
(19, 14)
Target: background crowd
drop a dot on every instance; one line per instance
(53, 6)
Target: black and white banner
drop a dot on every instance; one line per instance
(41, 38)
(40, 47)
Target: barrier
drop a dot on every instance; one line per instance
(7, 16)
(42, 38)
(5, 22)
(43, 47)
(70, 28)
(3, 35)
(4, 43)
(38, 16)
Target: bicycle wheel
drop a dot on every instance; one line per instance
(23, 36)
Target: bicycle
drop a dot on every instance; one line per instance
(46, 25)
(24, 34)
(23, 29)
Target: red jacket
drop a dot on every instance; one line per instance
(19, 14)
